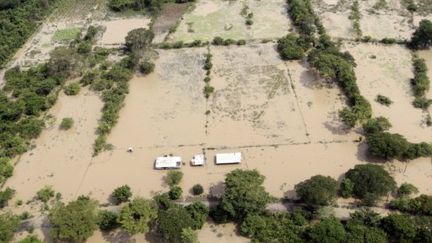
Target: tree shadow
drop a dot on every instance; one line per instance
(117, 236)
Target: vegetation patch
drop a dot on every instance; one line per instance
(68, 34)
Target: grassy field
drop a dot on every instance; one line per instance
(66, 34)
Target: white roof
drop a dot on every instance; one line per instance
(228, 158)
(198, 159)
(168, 162)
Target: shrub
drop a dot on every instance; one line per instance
(9, 224)
(329, 229)
(208, 90)
(422, 103)
(5, 196)
(199, 214)
(188, 235)
(72, 89)
(175, 192)
(383, 100)
(406, 189)
(241, 42)
(67, 123)
(197, 189)
(173, 177)
(139, 39)
(45, 194)
(146, 67)
(318, 190)
(121, 194)
(84, 47)
(400, 228)
(376, 125)
(218, 41)
(228, 42)
(107, 220)
(30, 239)
(346, 188)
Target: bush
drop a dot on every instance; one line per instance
(84, 47)
(5, 196)
(208, 90)
(146, 67)
(107, 220)
(67, 123)
(406, 189)
(318, 190)
(346, 188)
(45, 194)
(72, 89)
(175, 192)
(328, 229)
(139, 39)
(370, 180)
(421, 205)
(383, 100)
(30, 239)
(197, 189)
(376, 125)
(121, 194)
(400, 228)
(199, 214)
(171, 223)
(241, 42)
(422, 103)
(218, 41)
(173, 177)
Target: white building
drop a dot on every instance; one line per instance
(198, 160)
(228, 158)
(168, 162)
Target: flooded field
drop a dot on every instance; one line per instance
(391, 67)
(209, 20)
(116, 30)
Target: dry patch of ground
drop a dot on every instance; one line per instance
(387, 70)
(212, 18)
(168, 19)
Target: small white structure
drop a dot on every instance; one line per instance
(168, 162)
(198, 160)
(228, 158)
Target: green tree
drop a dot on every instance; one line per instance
(387, 146)
(328, 230)
(407, 189)
(376, 125)
(197, 189)
(291, 47)
(5, 196)
(175, 192)
(172, 221)
(268, 227)
(107, 220)
(422, 37)
(199, 214)
(370, 179)
(359, 233)
(139, 39)
(74, 222)
(31, 127)
(318, 190)
(121, 194)
(146, 67)
(136, 216)
(400, 228)
(9, 224)
(244, 194)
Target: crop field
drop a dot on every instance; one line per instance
(209, 19)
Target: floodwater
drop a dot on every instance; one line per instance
(117, 30)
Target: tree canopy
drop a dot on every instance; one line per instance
(75, 221)
(318, 190)
(136, 216)
(9, 224)
(244, 193)
(422, 37)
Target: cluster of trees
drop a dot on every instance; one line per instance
(113, 82)
(27, 94)
(208, 89)
(153, 6)
(173, 180)
(292, 47)
(387, 146)
(19, 19)
(420, 84)
(422, 37)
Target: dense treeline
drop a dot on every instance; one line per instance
(152, 6)
(18, 20)
(420, 84)
(244, 203)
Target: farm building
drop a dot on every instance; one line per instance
(168, 162)
(228, 158)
